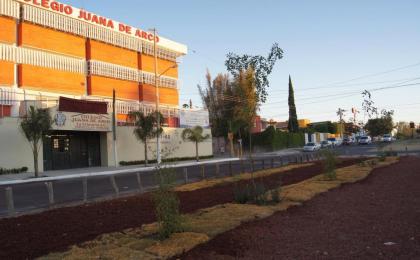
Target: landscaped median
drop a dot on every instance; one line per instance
(204, 224)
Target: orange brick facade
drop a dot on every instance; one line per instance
(8, 30)
(7, 73)
(51, 40)
(32, 77)
(44, 79)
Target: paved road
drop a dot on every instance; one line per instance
(34, 196)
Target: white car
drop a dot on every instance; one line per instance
(365, 140)
(335, 141)
(387, 138)
(310, 147)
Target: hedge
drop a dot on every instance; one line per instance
(273, 139)
(13, 171)
(140, 162)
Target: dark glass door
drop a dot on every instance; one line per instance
(68, 150)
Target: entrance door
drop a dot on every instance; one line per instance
(68, 150)
(60, 152)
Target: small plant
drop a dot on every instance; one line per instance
(260, 194)
(330, 163)
(275, 194)
(382, 156)
(242, 194)
(372, 163)
(166, 204)
(256, 193)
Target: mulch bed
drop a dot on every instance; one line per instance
(30, 236)
(377, 218)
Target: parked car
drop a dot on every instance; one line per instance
(310, 147)
(348, 140)
(335, 141)
(326, 144)
(365, 140)
(387, 138)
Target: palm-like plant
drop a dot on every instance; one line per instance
(195, 134)
(145, 128)
(34, 126)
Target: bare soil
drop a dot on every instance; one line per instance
(377, 218)
(30, 236)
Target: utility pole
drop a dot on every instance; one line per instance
(158, 157)
(340, 113)
(114, 128)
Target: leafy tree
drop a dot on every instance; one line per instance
(326, 127)
(145, 127)
(293, 125)
(262, 68)
(195, 135)
(218, 98)
(382, 125)
(35, 125)
(246, 109)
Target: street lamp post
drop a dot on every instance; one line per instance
(158, 155)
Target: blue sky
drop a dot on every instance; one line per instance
(324, 42)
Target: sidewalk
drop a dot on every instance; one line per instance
(98, 171)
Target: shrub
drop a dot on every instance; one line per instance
(275, 194)
(166, 204)
(140, 162)
(255, 193)
(330, 163)
(260, 194)
(242, 194)
(13, 171)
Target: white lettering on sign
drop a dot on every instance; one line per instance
(91, 122)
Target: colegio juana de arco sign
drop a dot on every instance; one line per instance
(91, 18)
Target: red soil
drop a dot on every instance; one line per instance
(36, 235)
(355, 221)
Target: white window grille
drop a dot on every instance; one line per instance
(9, 8)
(113, 71)
(70, 25)
(7, 96)
(53, 20)
(149, 78)
(40, 58)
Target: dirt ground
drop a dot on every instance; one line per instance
(31, 236)
(377, 218)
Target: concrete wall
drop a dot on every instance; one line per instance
(15, 151)
(131, 149)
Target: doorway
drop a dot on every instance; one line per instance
(71, 149)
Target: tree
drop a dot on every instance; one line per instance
(262, 68)
(217, 97)
(293, 125)
(382, 125)
(195, 135)
(146, 127)
(35, 125)
(368, 103)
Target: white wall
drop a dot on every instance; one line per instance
(131, 149)
(15, 151)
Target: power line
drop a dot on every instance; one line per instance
(373, 74)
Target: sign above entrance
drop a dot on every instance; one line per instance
(81, 122)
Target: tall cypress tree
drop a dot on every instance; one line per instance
(293, 125)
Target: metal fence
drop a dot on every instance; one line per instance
(40, 195)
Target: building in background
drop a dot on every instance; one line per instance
(53, 55)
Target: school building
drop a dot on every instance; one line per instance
(56, 56)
